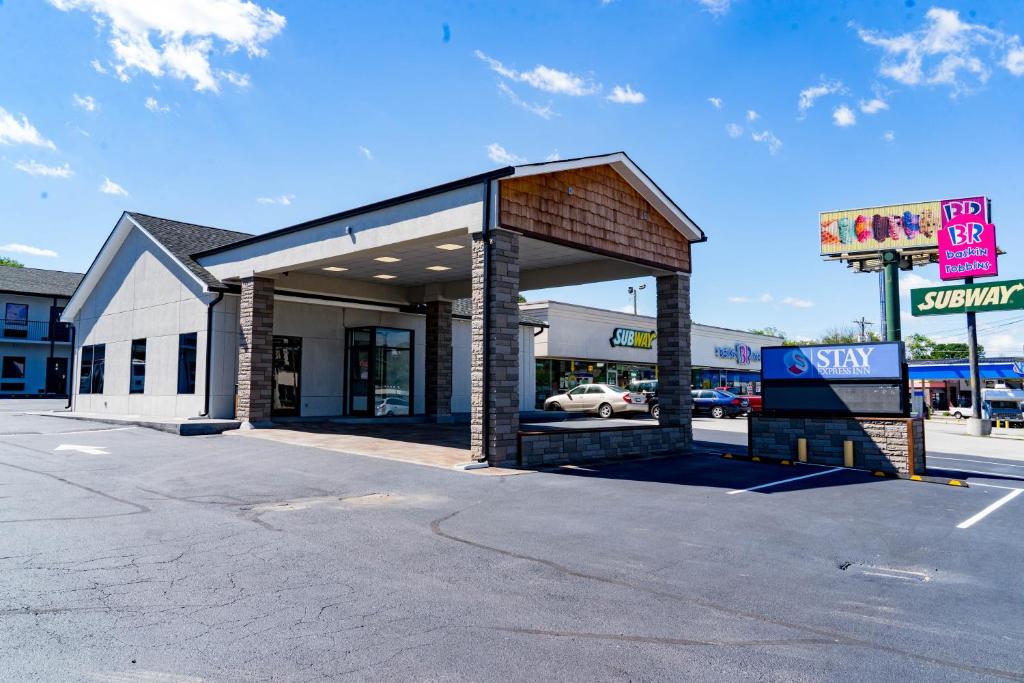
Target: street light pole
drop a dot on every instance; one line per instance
(634, 291)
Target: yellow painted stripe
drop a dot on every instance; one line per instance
(755, 458)
(955, 482)
(915, 477)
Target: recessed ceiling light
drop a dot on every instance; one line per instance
(450, 247)
(385, 277)
(387, 259)
(335, 269)
(438, 268)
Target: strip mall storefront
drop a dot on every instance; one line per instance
(583, 344)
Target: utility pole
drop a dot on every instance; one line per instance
(634, 291)
(891, 280)
(863, 323)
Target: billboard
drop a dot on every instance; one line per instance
(879, 228)
(967, 241)
(1005, 295)
(833, 362)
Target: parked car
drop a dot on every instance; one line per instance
(649, 388)
(753, 399)
(718, 403)
(603, 399)
(996, 404)
(393, 405)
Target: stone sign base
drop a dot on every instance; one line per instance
(891, 445)
(568, 446)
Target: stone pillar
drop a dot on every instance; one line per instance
(255, 351)
(674, 399)
(501, 355)
(438, 367)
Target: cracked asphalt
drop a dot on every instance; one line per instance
(145, 556)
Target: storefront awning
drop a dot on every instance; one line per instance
(955, 371)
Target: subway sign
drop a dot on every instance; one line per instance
(741, 353)
(632, 339)
(1005, 295)
(833, 362)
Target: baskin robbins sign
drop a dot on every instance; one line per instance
(967, 241)
(742, 353)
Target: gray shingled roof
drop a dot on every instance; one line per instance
(463, 308)
(38, 281)
(185, 239)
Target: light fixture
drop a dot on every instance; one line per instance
(387, 259)
(385, 277)
(438, 268)
(450, 247)
(335, 269)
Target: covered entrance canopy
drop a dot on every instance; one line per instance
(486, 237)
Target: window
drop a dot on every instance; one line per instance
(594, 389)
(138, 369)
(582, 389)
(16, 320)
(91, 370)
(187, 363)
(14, 367)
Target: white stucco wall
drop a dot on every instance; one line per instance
(462, 366)
(142, 295)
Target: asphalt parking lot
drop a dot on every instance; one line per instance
(130, 554)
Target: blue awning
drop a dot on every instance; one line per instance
(962, 371)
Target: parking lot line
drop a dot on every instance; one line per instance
(786, 481)
(976, 462)
(971, 521)
(996, 475)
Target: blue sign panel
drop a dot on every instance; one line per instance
(833, 363)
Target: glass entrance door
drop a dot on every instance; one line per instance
(287, 365)
(380, 371)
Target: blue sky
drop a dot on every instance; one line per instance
(753, 116)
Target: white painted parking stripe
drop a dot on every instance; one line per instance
(997, 475)
(989, 510)
(786, 481)
(976, 462)
(91, 431)
(996, 486)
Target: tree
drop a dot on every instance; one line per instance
(770, 331)
(841, 335)
(953, 351)
(8, 261)
(919, 347)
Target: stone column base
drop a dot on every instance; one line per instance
(978, 426)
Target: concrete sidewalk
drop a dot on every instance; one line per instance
(179, 426)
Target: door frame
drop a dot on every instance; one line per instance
(371, 410)
(297, 410)
(46, 376)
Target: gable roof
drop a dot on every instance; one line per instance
(184, 239)
(38, 281)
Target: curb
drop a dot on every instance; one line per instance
(877, 473)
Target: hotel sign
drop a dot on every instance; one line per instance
(833, 362)
(1005, 295)
(632, 339)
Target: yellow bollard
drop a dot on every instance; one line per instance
(801, 450)
(847, 454)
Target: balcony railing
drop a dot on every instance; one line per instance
(34, 330)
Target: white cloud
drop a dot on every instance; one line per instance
(911, 280)
(766, 298)
(752, 115)
(365, 151)
(797, 303)
(1001, 344)
(716, 102)
(554, 156)
(717, 7)
(87, 102)
(946, 50)
(187, 32)
(810, 94)
(154, 105)
(14, 248)
(100, 69)
(768, 137)
(14, 132)
(110, 187)
(35, 168)
(236, 79)
(889, 136)
(734, 130)
(873, 106)
(626, 95)
(843, 116)
(543, 111)
(283, 200)
(544, 78)
(739, 299)
(500, 155)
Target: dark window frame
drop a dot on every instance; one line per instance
(187, 362)
(133, 370)
(13, 359)
(92, 382)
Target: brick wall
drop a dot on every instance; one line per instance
(541, 449)
(883, 444)
(503, 352)
(255, 349)
(438, 366)
(674, 347)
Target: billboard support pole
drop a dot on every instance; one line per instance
(891, 261)
(976, 426)
(881, 302)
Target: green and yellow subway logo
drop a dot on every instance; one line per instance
(634, 339)
(993, 296)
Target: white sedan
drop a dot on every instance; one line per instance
(603, 399)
